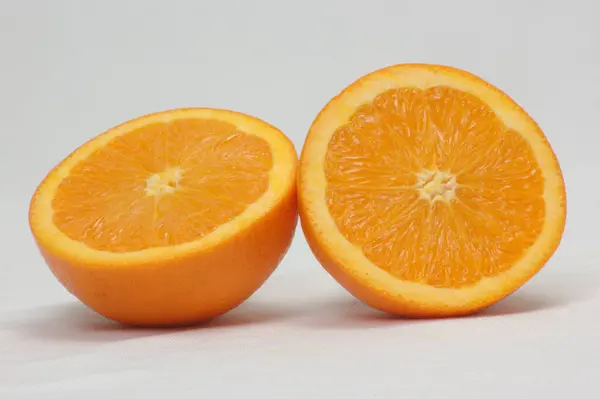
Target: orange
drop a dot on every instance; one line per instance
(172, 218)
(427, 192)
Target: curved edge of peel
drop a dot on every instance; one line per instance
(377, 287)
(282, 181)
(188, 290)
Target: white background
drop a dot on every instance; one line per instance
(72, 69)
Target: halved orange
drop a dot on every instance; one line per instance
(172, 218)
(426, 192)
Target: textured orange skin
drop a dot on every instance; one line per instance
(188, 290)
(373, 295)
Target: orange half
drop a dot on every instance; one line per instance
(425, 191)
(171, 218)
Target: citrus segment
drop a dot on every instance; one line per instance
(171, 218)
(429, 175)
(190, 177)
(388, 167)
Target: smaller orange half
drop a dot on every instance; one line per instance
(172, 218)
(426, 191)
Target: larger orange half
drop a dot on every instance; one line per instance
(425, 191)
(172, 218)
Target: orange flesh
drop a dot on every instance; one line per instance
(433, 187)
(162, 184)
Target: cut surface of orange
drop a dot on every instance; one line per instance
(172, 218)
(425, 191)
